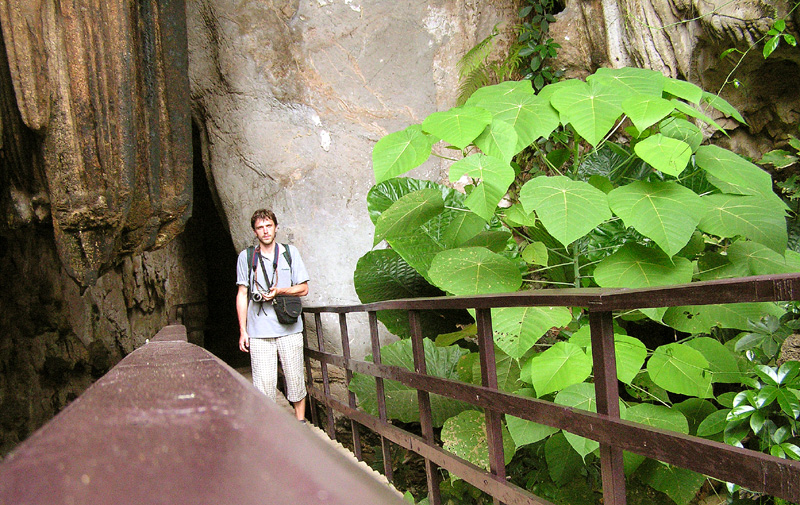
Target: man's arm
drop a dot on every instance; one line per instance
(241, 311)
(296, 290)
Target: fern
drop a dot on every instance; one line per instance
(476, 79)
(476, 57)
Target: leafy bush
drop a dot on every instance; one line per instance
(604, 183)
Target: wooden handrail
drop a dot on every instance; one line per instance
(171, 423)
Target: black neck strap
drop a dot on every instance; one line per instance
(274, 266)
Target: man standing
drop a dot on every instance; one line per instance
(271, 271)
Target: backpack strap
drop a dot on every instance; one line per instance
(288, 256)
(250, 262)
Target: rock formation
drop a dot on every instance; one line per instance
(95, 164)
(685, 39)
(291, 97)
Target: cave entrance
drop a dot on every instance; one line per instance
(218, 255)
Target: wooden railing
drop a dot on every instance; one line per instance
(173, 424)
(753, 470)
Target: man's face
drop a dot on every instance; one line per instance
(265, 231)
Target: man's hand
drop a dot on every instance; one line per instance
(244, 342)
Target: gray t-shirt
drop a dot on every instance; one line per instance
(261, 319)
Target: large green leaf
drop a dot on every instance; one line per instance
(563, 463)
(531, 117)
(568, 209)
(664, 153)
(465, 436)
(679, 484)
(692, 112)
(495, 241)
(701, 318)
(495, 177)
(516, 329)
(506, 367)
(645, 111)
(630, 352)
(498, 140)
(419, 246)
(526, 432)
(683, 130)
(629, 81)
(408, 213)
(760, 259)
(579, 396)
(399, 152)
(722, 105)
(695, 410)
(384, 275)
(473, 271)
(637, 266)
(464, 226)
(733, 174)
(722, 362)
(459, 125)
(591, 108)
(666, 212)
(683, 89)
(558, 367)
(658, 416)
(401, 400)
(752, 217)
(680, 369)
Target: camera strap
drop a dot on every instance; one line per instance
(274, 268)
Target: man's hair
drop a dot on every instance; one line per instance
(263, 214)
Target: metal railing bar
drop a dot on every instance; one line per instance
(380, 395)
(309, 377)
(670, 447)
(509, 493)
(424, 403)
(607, 397)
(348, 376)
(326, 383)
(739, 290)
(494, 431)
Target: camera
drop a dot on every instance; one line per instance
(258, 297)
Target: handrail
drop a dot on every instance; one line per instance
(754, 470)
(171, 423)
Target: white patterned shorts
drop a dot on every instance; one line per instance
(264, 354)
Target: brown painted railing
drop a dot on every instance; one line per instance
(753, 470)
(173, 424)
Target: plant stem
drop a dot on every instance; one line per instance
(576, 267)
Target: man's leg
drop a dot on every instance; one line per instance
(264, 365)
(290, 349)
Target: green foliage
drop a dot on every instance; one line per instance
(465, 436)
(401, 400)
(560, 189)
(765, 416)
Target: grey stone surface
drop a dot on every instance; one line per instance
(292, 96)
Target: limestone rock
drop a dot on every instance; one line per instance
(292, 96)
(685, 39)
(98, 125)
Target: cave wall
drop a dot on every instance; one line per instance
(95, 186)
(293, 94)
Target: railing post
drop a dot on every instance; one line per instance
(424, 399)
(380, 394)
(348, 376)
(312, 402)
(494, 432)
(607, 397)
(326, 384)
